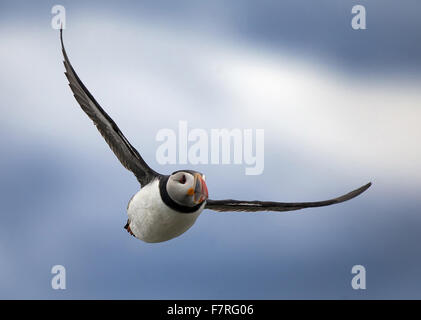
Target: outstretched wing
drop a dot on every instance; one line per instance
(125, 152)
(253, 206)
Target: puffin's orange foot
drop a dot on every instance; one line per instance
(127, 227)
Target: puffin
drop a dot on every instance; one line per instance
(166, 206)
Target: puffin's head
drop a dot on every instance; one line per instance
(187, 188)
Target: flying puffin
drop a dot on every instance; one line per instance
(167, 205)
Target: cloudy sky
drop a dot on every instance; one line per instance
(339, 108)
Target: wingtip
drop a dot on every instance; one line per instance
(354, 193)
(62, 44)
(362, 189)
(365, 187)
(61, 36)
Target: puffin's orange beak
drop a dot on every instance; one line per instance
(200, 193)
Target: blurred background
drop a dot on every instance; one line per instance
(340, 107)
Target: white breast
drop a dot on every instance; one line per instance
(151, 220)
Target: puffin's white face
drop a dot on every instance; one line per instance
(187, 188)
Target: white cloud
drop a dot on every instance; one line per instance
(141, 72)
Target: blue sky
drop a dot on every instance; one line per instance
(339, 108)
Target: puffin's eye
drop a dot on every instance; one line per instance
(183, 179)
